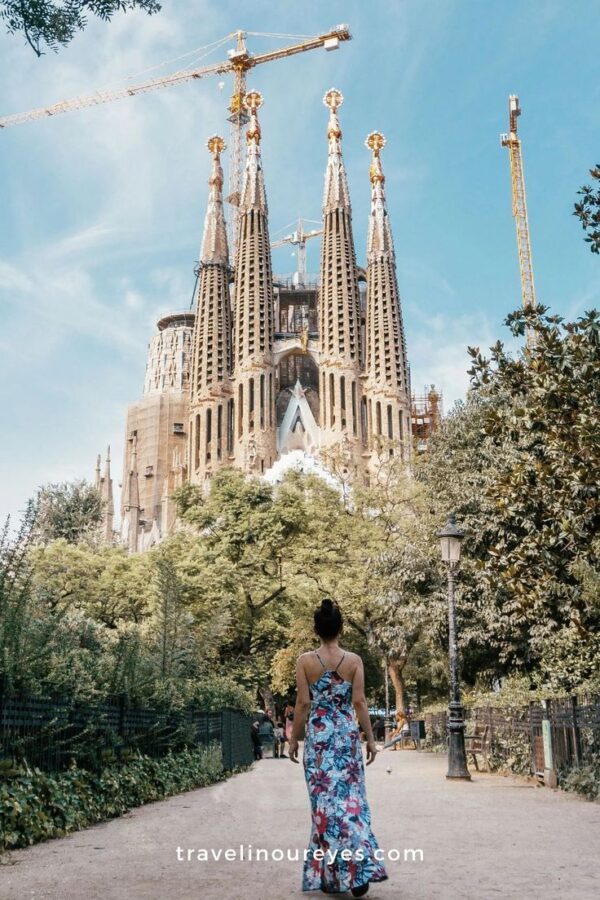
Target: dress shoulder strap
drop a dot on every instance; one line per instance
(320, 660)
(340, 662)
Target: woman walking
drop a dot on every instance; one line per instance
(330, 682)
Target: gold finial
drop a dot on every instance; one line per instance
(253, 102)
(376, 142)
(216, 145)
(333, 99)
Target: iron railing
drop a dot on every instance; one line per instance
(572, 726)
(50, 733)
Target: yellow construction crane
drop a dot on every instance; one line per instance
(511, 140)
(298, 238)
(239, 62)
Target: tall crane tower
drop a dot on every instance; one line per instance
(239, 62)
(512, 141)
(298, 238)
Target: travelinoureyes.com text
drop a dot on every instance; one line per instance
(248, 853)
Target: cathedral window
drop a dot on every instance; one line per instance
(230, 425)
(197, 444)
(331, 400)
(208, 433)
(219, 429)
(251, 404)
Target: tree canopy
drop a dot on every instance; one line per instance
(588, 211)
(54, 23)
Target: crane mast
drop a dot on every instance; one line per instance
(519, 199)
(239, 62)
(298, 238)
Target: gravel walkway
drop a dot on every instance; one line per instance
(493, 837)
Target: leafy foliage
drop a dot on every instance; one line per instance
(541, 424)
(36, 806)
(588, 211)
(54, 23)
(72, 511)
(584, 779)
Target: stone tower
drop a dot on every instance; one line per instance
(157, 427)
(339, 326)
(386, 384)
(211, 414)
(104, 486)
(130, 515)
(254, 428)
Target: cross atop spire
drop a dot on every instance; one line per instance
(380, 236)
(214, 242)
(335, 195)
(253, 190)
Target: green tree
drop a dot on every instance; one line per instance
(54, 23)
(588, 211)
(72, 511)
(542, 424)
(235, 567)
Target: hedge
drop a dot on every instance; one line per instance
(36, 805)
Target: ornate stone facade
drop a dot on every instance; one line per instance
(264, 368)
(156, 435)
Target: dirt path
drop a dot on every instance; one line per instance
(493, 837)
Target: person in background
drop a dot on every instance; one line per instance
(279, 741)
(256, 744)
(289, 720)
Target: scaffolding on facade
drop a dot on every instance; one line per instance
(426, 415)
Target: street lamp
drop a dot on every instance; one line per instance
(450, 539)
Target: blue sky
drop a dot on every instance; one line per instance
(101, 210)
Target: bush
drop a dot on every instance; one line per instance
(36, 806)
(511, 752)
(584, 780)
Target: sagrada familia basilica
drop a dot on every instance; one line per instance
(263, 367)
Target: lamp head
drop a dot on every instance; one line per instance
(450, 540)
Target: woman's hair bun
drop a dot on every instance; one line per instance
(328, 619)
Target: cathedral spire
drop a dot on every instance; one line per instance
(386, 384)
(214, 243)
(131, 507)
(107, 497)
(339, 330)
(253, 191)
(211, 403)
(379, 239)
(335, 194)
(254, 311)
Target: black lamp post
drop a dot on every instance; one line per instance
(450, 539)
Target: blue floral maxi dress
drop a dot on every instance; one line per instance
(335, 777)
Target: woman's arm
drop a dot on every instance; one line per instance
(359, 701)
(301, 710)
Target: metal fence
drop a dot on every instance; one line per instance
(545, 737)
(51, 733)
